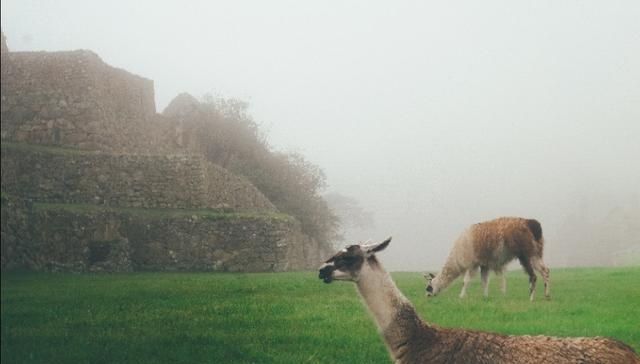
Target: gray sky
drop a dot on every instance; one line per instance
(433, 115)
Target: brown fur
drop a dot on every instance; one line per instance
(491, 245)
(516, 235)
(411, 340)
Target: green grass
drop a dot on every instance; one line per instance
(279, 317)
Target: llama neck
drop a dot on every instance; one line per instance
(395, 316)
(450, 271)
(457, 262)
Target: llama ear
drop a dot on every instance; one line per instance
(374, 248)
(429, 276)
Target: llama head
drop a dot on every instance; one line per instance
(431, 289)
(347, 263)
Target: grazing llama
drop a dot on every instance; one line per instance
(491, 245)
(411, 340)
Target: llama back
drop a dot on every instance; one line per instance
(524, 349)
(470, 346)
(502, 239)
(487, 237)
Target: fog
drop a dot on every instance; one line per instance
(432, 115)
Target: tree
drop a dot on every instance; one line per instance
(226, 134)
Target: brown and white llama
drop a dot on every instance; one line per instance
(411, 340)
(491, 245)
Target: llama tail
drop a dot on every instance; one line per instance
(535, 228)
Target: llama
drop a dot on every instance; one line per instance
(411, 340)
(491, 245)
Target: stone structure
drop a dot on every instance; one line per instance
(93, 179)
(74, 99)
(57, 175)
(81, 238)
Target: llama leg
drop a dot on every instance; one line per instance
(484, 275)
(539, 265)
(467, 278)
(503, 288)
(526, 264)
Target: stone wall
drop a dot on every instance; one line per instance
(81, 238)
(74, 99)
(57, 175)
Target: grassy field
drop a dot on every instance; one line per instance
(280, 318)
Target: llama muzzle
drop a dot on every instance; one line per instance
(326, 273)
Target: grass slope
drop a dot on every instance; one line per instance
(279, 318)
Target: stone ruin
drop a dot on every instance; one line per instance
(93, 179)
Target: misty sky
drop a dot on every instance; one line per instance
(433, 115)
